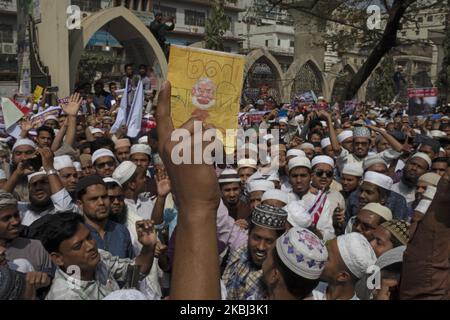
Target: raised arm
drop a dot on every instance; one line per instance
(333, 137)
(197, 194)
(163, 189)
(397, 146)
(71, 109)
(57, 142)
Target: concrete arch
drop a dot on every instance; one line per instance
(122, 24)
(295, 68)
(257, 54)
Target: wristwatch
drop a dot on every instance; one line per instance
(52, 172)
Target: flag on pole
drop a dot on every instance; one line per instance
(122, 113)
(10, 114)
(134, 120)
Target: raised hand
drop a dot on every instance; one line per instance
(26, 125)
(162, 186)
(74, 105)
(146, 233)
(47, 158)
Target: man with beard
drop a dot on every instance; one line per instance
(70, 243)
(16, 246)
(203, 97)
(122, 149)
(104, 162)
(243, 273)
(368, 219)
(230, 187)
(345, 138)
(416, 166)
(47, 194)
(93, 202)
(23, 149)
(425, 180)
(67, 173)
(349, 257)
(376, 187)
(285, 275)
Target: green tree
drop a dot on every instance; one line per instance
(217, 25)
(382, 89)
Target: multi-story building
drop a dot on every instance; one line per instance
(8, 47)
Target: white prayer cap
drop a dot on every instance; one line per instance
(247, 163)
(344, 135)
(274, 177)
(62, 162)
(284, 120)
(325, 143)
(24, 142)
(445, 118)
(423, 156)
(306, 145)
(440, 149)
(96, 130)
(324, 123)
(379, 179)
(268, 137)
(437, 133)
(298, 216)
(299, 162)
(423, 206)
(124, 172)
(77, 166)
(430, 178)
(102, 153)
(229, 176)
(141, 148)
(320, 98)
(108, 179)
(322, 159)
(2, 174)
(302, 252)
(356, 252)
(259, 185)
(430, 192)
(295, 153)
(275, 194)
(371, 160)
(353, 169)
(380, 210)
(299, 118)
(143, 140)
(35, 174)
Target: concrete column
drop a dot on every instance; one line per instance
(53, 38)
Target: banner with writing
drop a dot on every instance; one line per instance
(421, 101)
(39, 119)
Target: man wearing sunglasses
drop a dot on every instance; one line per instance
(104, 162)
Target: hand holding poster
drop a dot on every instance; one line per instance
(207, 84)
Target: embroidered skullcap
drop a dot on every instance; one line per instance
(399, 229)
(141, 148)
(124, 172)
(62, 162)
(299, 162)
(295, 153)
(353, 169)
(269, 217)
(275, 194)
(259, 185)
(325, 143)
(322, 159)
(430, 178)
(102, 153)
(344, 135)
(24, 142)
(423, 156)
(121, 143)
(379, 209)
(361, 132)
(356, 252)
(229, 176)
(379, 179)
(298, 215)
(302, 252)
(371, 160)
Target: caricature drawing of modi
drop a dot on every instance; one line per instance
(203, 97)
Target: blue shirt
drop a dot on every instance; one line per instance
(117, 240)
(395, 202)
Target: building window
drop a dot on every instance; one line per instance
(88, 5)
(267, 43)
(6, 33)
(167, 11)
(420, 19)
(292, 44)
(404, 33)
(136, 5)
(194, 18)
(430, 18)
(279, 42)
(417, 32)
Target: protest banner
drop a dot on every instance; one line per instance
(39, 119)
(37, 93)
(208, 84)
(248, 119)
(9, 114)
(421, 101)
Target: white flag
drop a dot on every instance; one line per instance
(122, 113)
(134, 120)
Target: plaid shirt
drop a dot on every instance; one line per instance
(241, 277)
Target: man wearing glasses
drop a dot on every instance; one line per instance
(104, 162)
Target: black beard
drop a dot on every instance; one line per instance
(409, 181)
(120, 218)
(40, 206)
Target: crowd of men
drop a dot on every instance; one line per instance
(86, 214)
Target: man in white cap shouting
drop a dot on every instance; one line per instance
(349, 257)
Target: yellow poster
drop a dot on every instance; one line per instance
(207, 84)
(37, 93)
